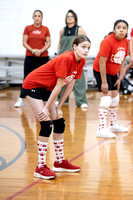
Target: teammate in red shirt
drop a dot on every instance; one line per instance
(41, 88)
(131, 54)
(109, 61)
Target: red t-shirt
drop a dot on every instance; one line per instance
(36, 38)
(113, 49)
(131, 34)
(64, 65)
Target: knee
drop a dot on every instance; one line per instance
(46, 128)
(105, 101)
(115, 101)
(59, 125)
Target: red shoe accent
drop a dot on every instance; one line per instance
(44, 172)
(65, 166)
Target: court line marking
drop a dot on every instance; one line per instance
(79, 155)
(4, 163)
(39, 180)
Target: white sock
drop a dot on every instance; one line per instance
(102, 113)
(58, 145)
(42, 150)
(112, 116)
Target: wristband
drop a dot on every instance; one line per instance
(33, 51)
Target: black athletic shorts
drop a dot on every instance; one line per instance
(111, 80)
(36, 93)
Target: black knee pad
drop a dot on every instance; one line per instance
(46, 128)
(59, 125)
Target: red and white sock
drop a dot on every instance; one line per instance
(102, 113)
(42, 150)
(58, 145)
(112, 116)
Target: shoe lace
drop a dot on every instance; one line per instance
(67, 162)
(45, 166)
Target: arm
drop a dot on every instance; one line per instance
(55, 92)
(102, 66)
(68, 89)
(81, 31)
(25, 43)
(45, 111)
(121, 72)
(38, 52)
(131, 57)
(131, 50)
(61, 32)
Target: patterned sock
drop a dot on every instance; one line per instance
(102, 113)
(42, 150)
(58, 145)
(112, 116)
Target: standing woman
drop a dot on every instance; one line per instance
(108, 63)
(41, 88)
(36, 40)
(65, 43)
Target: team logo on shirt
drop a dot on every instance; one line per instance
(68, 79)
(36, 32)
(119, 56)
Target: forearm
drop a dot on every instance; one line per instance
(58, 49)
(53, 96)
(103, 73)
(131, 49)
(45, 48)
(27, 47)
(121, 72)
(68, 89)
(55, 92)
(102, 67)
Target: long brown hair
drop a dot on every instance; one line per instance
(79, 39)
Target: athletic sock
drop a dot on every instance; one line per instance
(102, 113)
(112, 116)
(58, 145)
(42, 150)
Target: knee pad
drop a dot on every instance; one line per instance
(46, 128)
(59, 125)
(105, 101)
(115, 101)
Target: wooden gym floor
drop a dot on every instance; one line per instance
(106, 164)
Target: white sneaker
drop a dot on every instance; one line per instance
(105, 133)
(19, 103)
(84, 105)
(118, 128)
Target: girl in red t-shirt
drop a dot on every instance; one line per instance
(41, 88)
(109, 61)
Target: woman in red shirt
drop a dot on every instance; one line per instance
(41, 88)
(108, 63)
(36, 40)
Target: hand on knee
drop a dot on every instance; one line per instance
(59, 113)
(43, 115)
